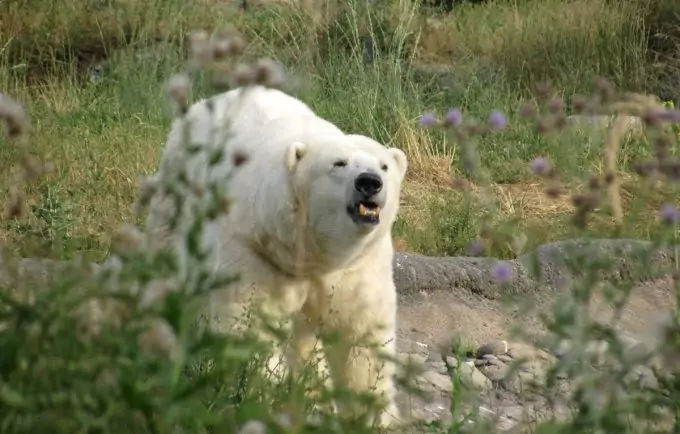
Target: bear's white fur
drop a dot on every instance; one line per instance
(297, 189)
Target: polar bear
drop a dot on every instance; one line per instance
(308, 229)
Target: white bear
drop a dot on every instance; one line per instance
(308, 229)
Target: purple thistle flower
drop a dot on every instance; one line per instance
(428, 119)
(670, 214)
(498, 120)
(540, 166)
(454, 117)
(669, 115)
(501, 271)
(475, 248)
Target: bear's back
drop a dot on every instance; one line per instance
(252, 107)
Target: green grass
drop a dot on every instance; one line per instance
(102, 137)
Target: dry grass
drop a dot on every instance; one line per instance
(428, 164)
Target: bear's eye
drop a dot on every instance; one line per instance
(384, 167)
(340, 163)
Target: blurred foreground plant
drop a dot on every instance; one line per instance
(117, 347)
(608, 393)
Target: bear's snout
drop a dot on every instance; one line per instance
(368, 183)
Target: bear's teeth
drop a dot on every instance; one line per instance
(364, 211)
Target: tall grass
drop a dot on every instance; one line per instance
(103, 135)
(568, 43)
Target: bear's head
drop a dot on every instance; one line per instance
(352, 186)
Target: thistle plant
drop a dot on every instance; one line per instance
(608, 399)
(129, 325)
(132, 326)
(115, 347)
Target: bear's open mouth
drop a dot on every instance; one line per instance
(365, 212)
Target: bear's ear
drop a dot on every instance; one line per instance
(295, 152)
(400, 158)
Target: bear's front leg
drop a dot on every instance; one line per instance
(310, 356)
(366, 365)
(361, 350)
(260, 299)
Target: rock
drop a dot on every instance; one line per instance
(434, 356)
(440, 367)
(518, 350)
(452, 361)
(490, 358)
(643, 376)
(494, 348)
(434, 381)
(532, 364)
(597, 351)
(422, 346)
(504, 358)
(494, 371)
(637, 351)
(473, 378)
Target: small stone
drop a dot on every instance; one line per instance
(525, 380)
(434, 381)
(519, 350)
(440, 367)
(597, 348)
(647, 378)
(505, 358)
(638, 351)
(433, 356)
(490, 358)
(452, 361)
(472, 377)
(634, 349)
(563, 348)
(253, 427)
(627, 341)
(643, 376)
(528, 366)
(494, 372)
(493, 348)
(529, 373)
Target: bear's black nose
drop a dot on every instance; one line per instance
(368, 183)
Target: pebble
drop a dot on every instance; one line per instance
(452, 361)
(473, 378)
